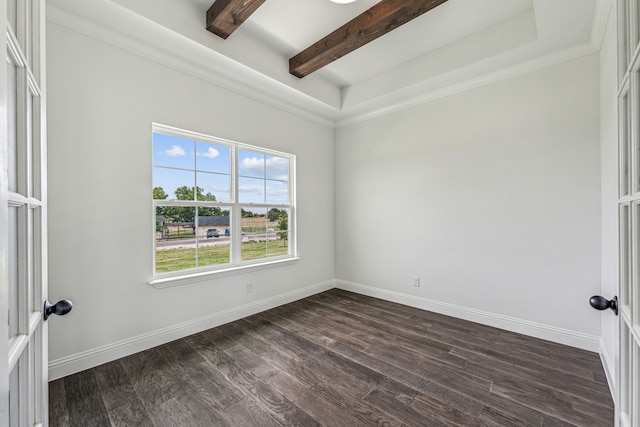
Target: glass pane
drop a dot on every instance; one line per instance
(35, 265)
(623, 36)
(634, 374)
(173, 184)
(633, 284)
(277, 168)
(214, 233)
(212, 225)
(13, 272)
(636, 14)
(29, 135)
(175, 238)
(625, 255)
(12, 136)
(213, 187)
(251, 164)
(277, 232)
(251, 190)
(34, 38)
(254, 233)
(28, 44)
(33, 380)
(634, 143)
(36, 151)
(213, 158)
(14, 396)
(12, 13)
(625, 153)
(173, 151)
(626, 367)
(277, 192)
(38, 393)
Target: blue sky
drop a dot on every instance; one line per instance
(180, 161)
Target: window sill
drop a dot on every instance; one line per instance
(186, 279)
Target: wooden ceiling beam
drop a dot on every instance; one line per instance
(380, 19)
(225, 16)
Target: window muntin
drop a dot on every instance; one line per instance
(218, 204)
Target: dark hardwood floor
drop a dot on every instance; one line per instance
(342, 359)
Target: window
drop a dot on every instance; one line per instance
(218, 204)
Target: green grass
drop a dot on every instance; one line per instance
(255, 250)
(182, 259)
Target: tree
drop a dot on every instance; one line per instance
(273, 214)
(160, 218)
(186, 193)
(188, 213)
(180, 213)
(213, 211)
(159, 194)
(283, 225)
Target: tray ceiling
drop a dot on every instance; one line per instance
(458, 41)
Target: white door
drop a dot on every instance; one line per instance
(23, 261)
(629, 208)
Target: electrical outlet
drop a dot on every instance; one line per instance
(249, 287)
(416, 281)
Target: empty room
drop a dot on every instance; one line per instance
(320, 213)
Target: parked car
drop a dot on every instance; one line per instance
(227, 232)
(213, 232)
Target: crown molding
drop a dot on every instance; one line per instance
(179, 53)
(425, 97)
(163, 46)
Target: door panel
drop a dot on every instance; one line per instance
(23, 359)
(629, 207)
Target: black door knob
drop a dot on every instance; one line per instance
(601, 303)
(60, 308)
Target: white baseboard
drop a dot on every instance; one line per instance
(538, 330)
(608, 363)
(97, 356)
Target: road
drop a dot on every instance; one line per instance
(212, 241)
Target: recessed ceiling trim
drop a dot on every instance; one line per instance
(166, 35)
(364, 28)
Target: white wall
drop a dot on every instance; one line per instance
(102, 101)
(491, 196)
(609, 171)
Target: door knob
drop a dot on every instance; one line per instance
(601, 303)
(60, 308)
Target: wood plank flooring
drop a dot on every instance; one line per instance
(341, 359)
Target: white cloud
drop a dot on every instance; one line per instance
(252, 164)
(175, 151)
(256, 189)
(211, 153)
(276, 167)
(277, 162)
(278, 192)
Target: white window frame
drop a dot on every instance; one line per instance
(236, 265)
